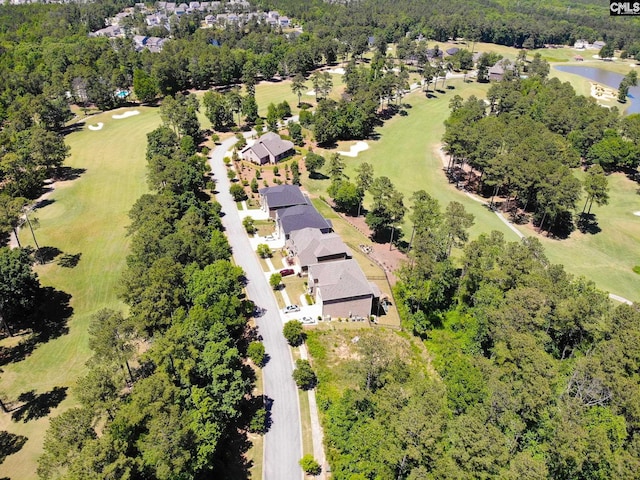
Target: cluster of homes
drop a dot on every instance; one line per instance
(218, 13)
(585, 45)
(334, 278)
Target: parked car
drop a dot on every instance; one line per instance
(286, 271)
(307, 320)
(291, 308)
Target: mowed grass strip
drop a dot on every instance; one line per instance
(88, 216)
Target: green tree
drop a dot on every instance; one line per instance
(309, 465)
(237, 192)
(294, 333)
(248, 223)
(364, 178)
(66, 436)
(145, 86)
(263, 250)
(304, 376)
(19, 286)
(295, 132)
(607, 51)
(10, 214)
(298, 87)
(596, 185)
(112, 339)
(256, 352)
(313, 162)
(274, 280)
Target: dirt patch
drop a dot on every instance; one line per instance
(389, 259)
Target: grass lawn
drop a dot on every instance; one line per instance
(88, 216)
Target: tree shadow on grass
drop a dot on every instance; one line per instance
(38, 405)
(587, 223)
(47, 321)
(69, 173)
(69, 260)
(10, 444)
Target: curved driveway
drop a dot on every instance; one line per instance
(282, 443)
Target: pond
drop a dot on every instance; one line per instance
(610, 79)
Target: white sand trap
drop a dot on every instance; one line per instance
(311, 92)
(337, 71)
(130, 113)
(355, 149)
(97, 126)
(637, 214)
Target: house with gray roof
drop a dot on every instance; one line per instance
(497, 72)
(342, 289)
(269, 148)
(278, 197)
(290, 219)
(311, 246)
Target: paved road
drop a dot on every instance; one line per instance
(283, 442)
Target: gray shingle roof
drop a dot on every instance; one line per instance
(340, 280)
(274, 144)
(283, 196)
(311, 244)
(299, 217)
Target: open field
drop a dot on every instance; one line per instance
(88, 216)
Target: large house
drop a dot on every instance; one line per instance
(342, 289)
(278, 197)
(311, 246)
(290, 219)
(497, 72)
(269, 148)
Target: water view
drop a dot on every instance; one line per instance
(610, 79)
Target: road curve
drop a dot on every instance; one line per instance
(283, 442)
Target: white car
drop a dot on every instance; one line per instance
(307, 320)
(291, 308)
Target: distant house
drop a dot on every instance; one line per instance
(496, 73)
(311, 246)
(342, 289)
(269, 148)
(278, 197)
(452, 51)
(432, 53)
(284, 22)
(111, 31)
(598, 45)
(291, 219)
(210, 20)
(581, 44)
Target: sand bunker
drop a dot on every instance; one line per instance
(637, 214)
(355, 149)
(97, 126)
(130, 113)
(602, 93)
(311, 92)
(337, 71)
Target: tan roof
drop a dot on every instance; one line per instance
(338, 280)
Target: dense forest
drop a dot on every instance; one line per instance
(517, 24)
(533, 373)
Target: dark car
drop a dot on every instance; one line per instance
(286, 271)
